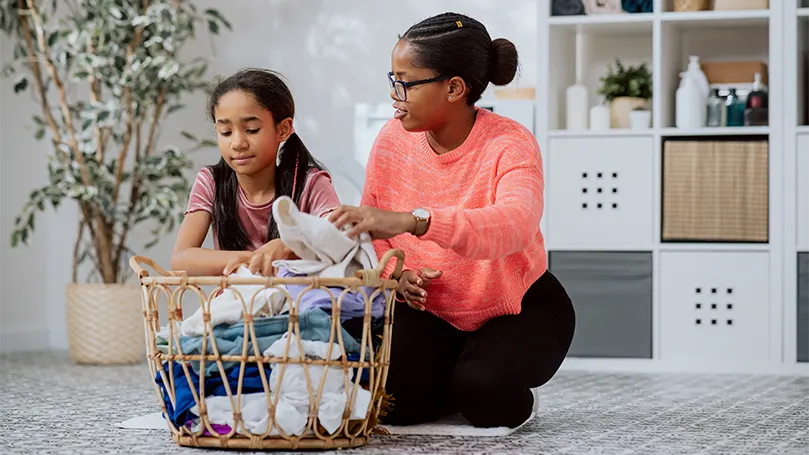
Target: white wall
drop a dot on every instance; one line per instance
(333, 54)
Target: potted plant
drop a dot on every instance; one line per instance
(106, 74)
(640, 118)
(625, 88)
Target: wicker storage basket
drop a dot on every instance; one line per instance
(716, 191)
(174, 369)
(691, 5)
(104, 323)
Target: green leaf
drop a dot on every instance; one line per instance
(52, 39)
(39, 134)
(21, 85)
(103, 115)
(188, 136)
(216, 14)
(15, 238)
(174, 108)
(213, 27)
(86, 124)
(208, 143)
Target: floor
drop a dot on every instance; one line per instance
(50, 406)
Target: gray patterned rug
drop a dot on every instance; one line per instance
(50, 406)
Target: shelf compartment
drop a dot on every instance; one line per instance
(715, 43)
(715, 191)
(599, 47)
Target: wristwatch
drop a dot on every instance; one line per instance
(422, 217)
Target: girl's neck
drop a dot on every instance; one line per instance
(259, 187)
(453, 133)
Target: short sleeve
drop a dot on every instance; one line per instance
(202, 193)
(319, 197)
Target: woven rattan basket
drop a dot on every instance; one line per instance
(237, 426)
(691, 5)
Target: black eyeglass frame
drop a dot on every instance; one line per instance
(407, 84)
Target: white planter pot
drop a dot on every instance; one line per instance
(640, 120)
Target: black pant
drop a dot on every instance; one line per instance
(486, 374)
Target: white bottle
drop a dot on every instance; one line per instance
(690, 109)
(576, 95)
(599, 117)
(695, 73)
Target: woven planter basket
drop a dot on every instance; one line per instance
(691, 5)
(104, 323)
(174, 368)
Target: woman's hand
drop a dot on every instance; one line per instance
(413, 286)
(260, 261)
(381, 224)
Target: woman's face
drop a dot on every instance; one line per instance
(426, 104)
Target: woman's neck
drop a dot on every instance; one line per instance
(259, 187)
(453, 133)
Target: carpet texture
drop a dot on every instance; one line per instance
(50, 406)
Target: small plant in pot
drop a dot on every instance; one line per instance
(640, 118)
(625, 87)
(106, 74)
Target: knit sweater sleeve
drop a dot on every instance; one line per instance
(369, 199)
(509, 224)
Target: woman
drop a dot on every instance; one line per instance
(460, 191)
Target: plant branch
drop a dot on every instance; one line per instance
(76, 250)
(130, 51)
(95, 95)
(43, 91)
(158, 110)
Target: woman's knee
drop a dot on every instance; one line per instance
(488, 397)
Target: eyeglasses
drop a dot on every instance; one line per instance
(400, 87)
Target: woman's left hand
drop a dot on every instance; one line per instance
(381, 224)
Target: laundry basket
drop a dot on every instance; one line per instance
(225, 389)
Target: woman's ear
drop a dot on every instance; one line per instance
(457, 89)
(285, 129)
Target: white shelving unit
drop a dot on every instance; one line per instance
(604, 192)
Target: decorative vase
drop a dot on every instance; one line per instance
(105, 324)
(599, 118)
(640, 120)
(621, 107)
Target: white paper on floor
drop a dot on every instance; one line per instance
(449, 426)
(154, 421)
(454, 425)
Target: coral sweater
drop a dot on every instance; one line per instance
(486, 201)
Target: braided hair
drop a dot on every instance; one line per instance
(453, 44)
(270, 91)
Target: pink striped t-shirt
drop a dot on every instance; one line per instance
(318, 198)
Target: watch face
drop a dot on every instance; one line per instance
(421, 214)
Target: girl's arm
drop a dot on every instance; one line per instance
(189, 255)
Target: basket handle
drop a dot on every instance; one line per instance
(386, 258)
(137, 263)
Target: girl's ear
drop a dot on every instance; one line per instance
(285, 129)
(456, 89)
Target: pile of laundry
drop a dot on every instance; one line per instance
(324, 251)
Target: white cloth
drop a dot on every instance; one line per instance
(226, 308)
(323, 249)
(292, 410)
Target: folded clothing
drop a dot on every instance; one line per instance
(227, 308)
(315, 325)
(352, 304)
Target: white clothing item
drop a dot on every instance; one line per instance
(226, 308)
(323, 249)
(293, 389)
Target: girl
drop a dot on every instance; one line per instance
(460, 191)
(252, 111)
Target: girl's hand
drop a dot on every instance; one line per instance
(413, 286)
(381, 224)
(260, 261)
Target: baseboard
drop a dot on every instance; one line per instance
(24, 341)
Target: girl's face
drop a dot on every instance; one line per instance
(426, 105)
(247, 133)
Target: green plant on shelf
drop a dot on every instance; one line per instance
(626, 81)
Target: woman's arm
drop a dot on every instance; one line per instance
(505, 227)
(189, 255)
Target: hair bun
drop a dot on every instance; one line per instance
(503, 61)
